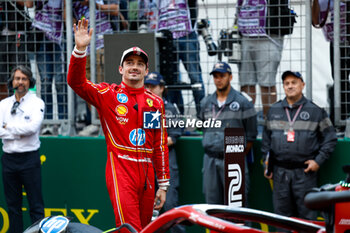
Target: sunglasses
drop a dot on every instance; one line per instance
(14, 107)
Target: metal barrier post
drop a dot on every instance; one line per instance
(92, 8)
(308, 49)
(69, 37)
(337, 78)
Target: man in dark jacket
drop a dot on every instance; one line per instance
(298, 138)
(235, 110)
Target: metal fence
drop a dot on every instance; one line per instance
(47, 50)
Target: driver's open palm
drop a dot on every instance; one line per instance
(82, 34)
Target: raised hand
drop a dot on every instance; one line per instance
(82, 35)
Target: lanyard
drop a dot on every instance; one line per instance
(219, 112)
(291, 123)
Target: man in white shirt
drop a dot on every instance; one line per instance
(21, 116)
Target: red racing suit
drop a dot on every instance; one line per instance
(134, 152)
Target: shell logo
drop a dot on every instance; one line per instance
(121, 110)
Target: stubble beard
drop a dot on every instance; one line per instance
(223, 89)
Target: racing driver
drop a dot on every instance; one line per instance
(134, 150)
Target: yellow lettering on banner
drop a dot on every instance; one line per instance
(49, 211)
(79, 214)
(5, 219)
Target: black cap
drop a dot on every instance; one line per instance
(293, 73)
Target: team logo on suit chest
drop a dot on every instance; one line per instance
(149, 102)
(137, 137)
(121, 111)
(122, 98)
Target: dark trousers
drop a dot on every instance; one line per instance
(22, 169)
(289, 189)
